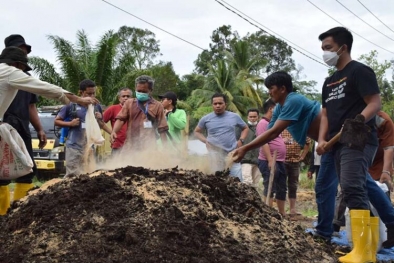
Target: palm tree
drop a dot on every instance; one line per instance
(242, 64)
(220, 80)
(82, 60)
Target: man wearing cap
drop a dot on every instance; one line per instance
(22, 111)
(110, 115)
(13, 63)
(176, 118)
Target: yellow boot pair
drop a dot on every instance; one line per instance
(4, 199)
(21, 189)
(365, 236)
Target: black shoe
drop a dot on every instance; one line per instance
(320, 238)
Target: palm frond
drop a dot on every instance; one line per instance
(46, 71)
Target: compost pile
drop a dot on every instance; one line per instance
(142, 215)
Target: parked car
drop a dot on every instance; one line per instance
(50, 160)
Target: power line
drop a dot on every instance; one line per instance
(364, 21)
(349, 29)
(152, 25)
(269, 33)
(375, 16)
(266, 28)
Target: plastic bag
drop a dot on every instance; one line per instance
(15, 160)
(93, 132)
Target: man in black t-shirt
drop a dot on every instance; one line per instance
(350, 91)
(19, 114)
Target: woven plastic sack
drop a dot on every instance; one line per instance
(15, 160)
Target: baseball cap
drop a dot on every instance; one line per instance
(14, 54)
(169, 95)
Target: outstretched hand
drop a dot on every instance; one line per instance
(87, 100)
(238, 154)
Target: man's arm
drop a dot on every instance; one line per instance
(61, 123)
(373, 106)
(261, 139)
(323, 131)
(35, 121)
(117, 126)
(243, 135)
(267, 153)
(267, 136)
(305, 150)
(198, 132)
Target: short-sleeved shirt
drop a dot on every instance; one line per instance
(385, 129)
(110, 115)
(293, 149)
(301, 111)
(276, 144)
(18, 114)
(221, 129)
(76, 138)
(135, 113)
(343, 96)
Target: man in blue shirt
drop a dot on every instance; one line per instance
(76, 141)
(220, 126)
(294, 110)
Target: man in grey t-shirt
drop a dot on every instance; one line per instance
(220, 126)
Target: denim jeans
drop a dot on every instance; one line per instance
(325, 189)
(352, 167)
(279, 183)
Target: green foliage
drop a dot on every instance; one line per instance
(165, 78)
(139, 44)
(380, 68)
(273, 54)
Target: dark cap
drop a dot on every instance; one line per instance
(169, 95)
(16, 41)
(14, 54)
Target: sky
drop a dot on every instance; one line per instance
(194, 20)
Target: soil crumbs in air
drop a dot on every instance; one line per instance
(142, 215)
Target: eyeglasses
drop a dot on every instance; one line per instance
(126, 96)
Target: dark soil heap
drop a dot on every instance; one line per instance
(141, 215)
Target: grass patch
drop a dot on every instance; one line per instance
(309, 212)
(305, 182)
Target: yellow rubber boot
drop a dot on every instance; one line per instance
(374, 237)
(361, 236)
(21, 189)
(4, 199)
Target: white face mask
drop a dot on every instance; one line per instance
(252, 123)
(331, 57)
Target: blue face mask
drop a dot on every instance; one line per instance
(141, 96)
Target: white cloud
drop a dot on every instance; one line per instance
(193, 20)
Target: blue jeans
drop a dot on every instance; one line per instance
(325, 188)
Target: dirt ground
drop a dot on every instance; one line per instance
(141, 215)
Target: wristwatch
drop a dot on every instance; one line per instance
(242, 141)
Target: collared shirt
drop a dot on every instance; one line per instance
(293, 149)
(133, 112)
